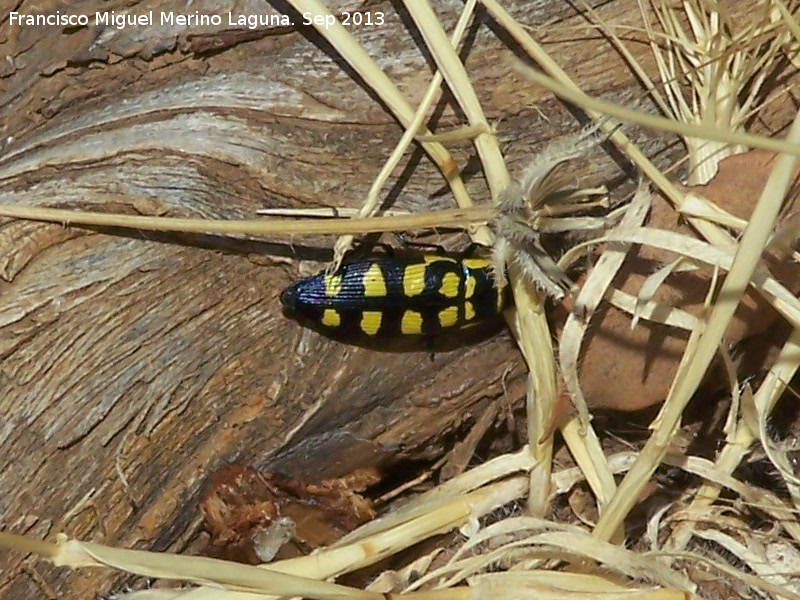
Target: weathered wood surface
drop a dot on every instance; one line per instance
(133, 365)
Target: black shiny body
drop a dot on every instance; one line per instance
(392, 297)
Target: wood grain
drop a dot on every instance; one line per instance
(134, 365)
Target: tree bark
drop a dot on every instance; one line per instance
(135, 364)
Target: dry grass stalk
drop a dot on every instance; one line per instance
(714, 235)
(720, 63)
(449, 218)
(530, 324)
(726, 63)
(739, 444)
(721, 66)
(294, 577)
(432, 94)
(591, 294)
(697, 358)
(349, 49)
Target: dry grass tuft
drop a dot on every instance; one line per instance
(714, 69)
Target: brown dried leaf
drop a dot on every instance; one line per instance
(247, 511)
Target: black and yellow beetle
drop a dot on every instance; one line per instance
(391, 297)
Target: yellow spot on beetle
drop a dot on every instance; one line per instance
(476, 263)
(333, 285)
(374, 282)
(331, 318)
(432, 258)
(414, 279)
(469, 311)
(449, 316)
(371, 321)
(449, 288)
(411, 323)
(469, 286)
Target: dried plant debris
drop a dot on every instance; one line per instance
(716, 70)
(545, 200)
(255, 517)
(636, 338)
